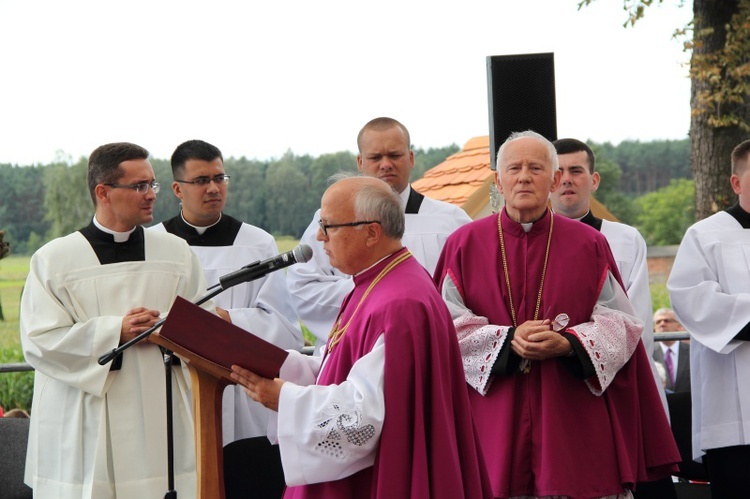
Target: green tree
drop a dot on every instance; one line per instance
(666, 214)
(287, 206)
(326, 165)
(720, 95)
(67, 202)
(167, 204)
(22, 211)
(609, 192)
(247, 192)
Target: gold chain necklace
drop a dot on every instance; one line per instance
(337, 333)
(527, 367)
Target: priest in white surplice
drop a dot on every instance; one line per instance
(100, 431)
(223, 244)
(709, 287)
(316, 287)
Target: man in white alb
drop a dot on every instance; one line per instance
(252, 466)
(99, 431)
(316, 287)
(709, 288)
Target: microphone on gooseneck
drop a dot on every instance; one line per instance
(256, 270)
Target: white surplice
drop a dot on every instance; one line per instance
(629, 250)
(709, 287)
(305, 407)
(318, 289)
(91, 427)
(262, 306)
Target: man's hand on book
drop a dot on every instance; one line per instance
(223, 314)
(263, 390)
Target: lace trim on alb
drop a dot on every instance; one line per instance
(606, 345)
(480, 344)
(344, 428)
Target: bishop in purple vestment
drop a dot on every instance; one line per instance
(562, 392)
(386, 414)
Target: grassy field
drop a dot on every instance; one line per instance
(15, 388)
(13, 270)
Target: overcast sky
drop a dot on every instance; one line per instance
(260, 78)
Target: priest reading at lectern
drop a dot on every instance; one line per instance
(99, 431)
(385, 412)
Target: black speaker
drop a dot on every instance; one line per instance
(521, 91)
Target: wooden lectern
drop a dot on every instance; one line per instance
(210, 346)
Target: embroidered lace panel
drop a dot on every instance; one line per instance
(480, 344)
(605, 344)
(344, 428)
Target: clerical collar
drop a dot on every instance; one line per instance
(120, 237)
(528, 226)
(376, 263)
(742, 217)
(102, 241)
(222, 233)
(199, 229)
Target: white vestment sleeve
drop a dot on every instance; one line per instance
(708, 284)
(326, 433)
(270, 314)
(317, 289)
(611, 336)
(59, 345)
(479, 341)
(630, 252)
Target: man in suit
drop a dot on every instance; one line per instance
(678, 377)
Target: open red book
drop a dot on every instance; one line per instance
(214, 344)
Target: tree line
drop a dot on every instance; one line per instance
(42, 202)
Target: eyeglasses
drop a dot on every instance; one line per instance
(140, 187)
(666, 321)
(325, 227)
(204, 181)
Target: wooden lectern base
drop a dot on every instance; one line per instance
(209, 450)
(209, 358)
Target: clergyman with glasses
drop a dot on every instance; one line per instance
(252, 466)
(98, 430)
(385, 413)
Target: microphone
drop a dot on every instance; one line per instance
(256, 270)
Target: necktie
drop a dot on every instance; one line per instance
(670, 366)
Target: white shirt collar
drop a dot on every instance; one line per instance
(198, 229)
(120, 237)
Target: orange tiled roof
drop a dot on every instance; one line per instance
(464, 179)
(460, 175)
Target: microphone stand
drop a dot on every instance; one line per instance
(168, 361)
(245, 274)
